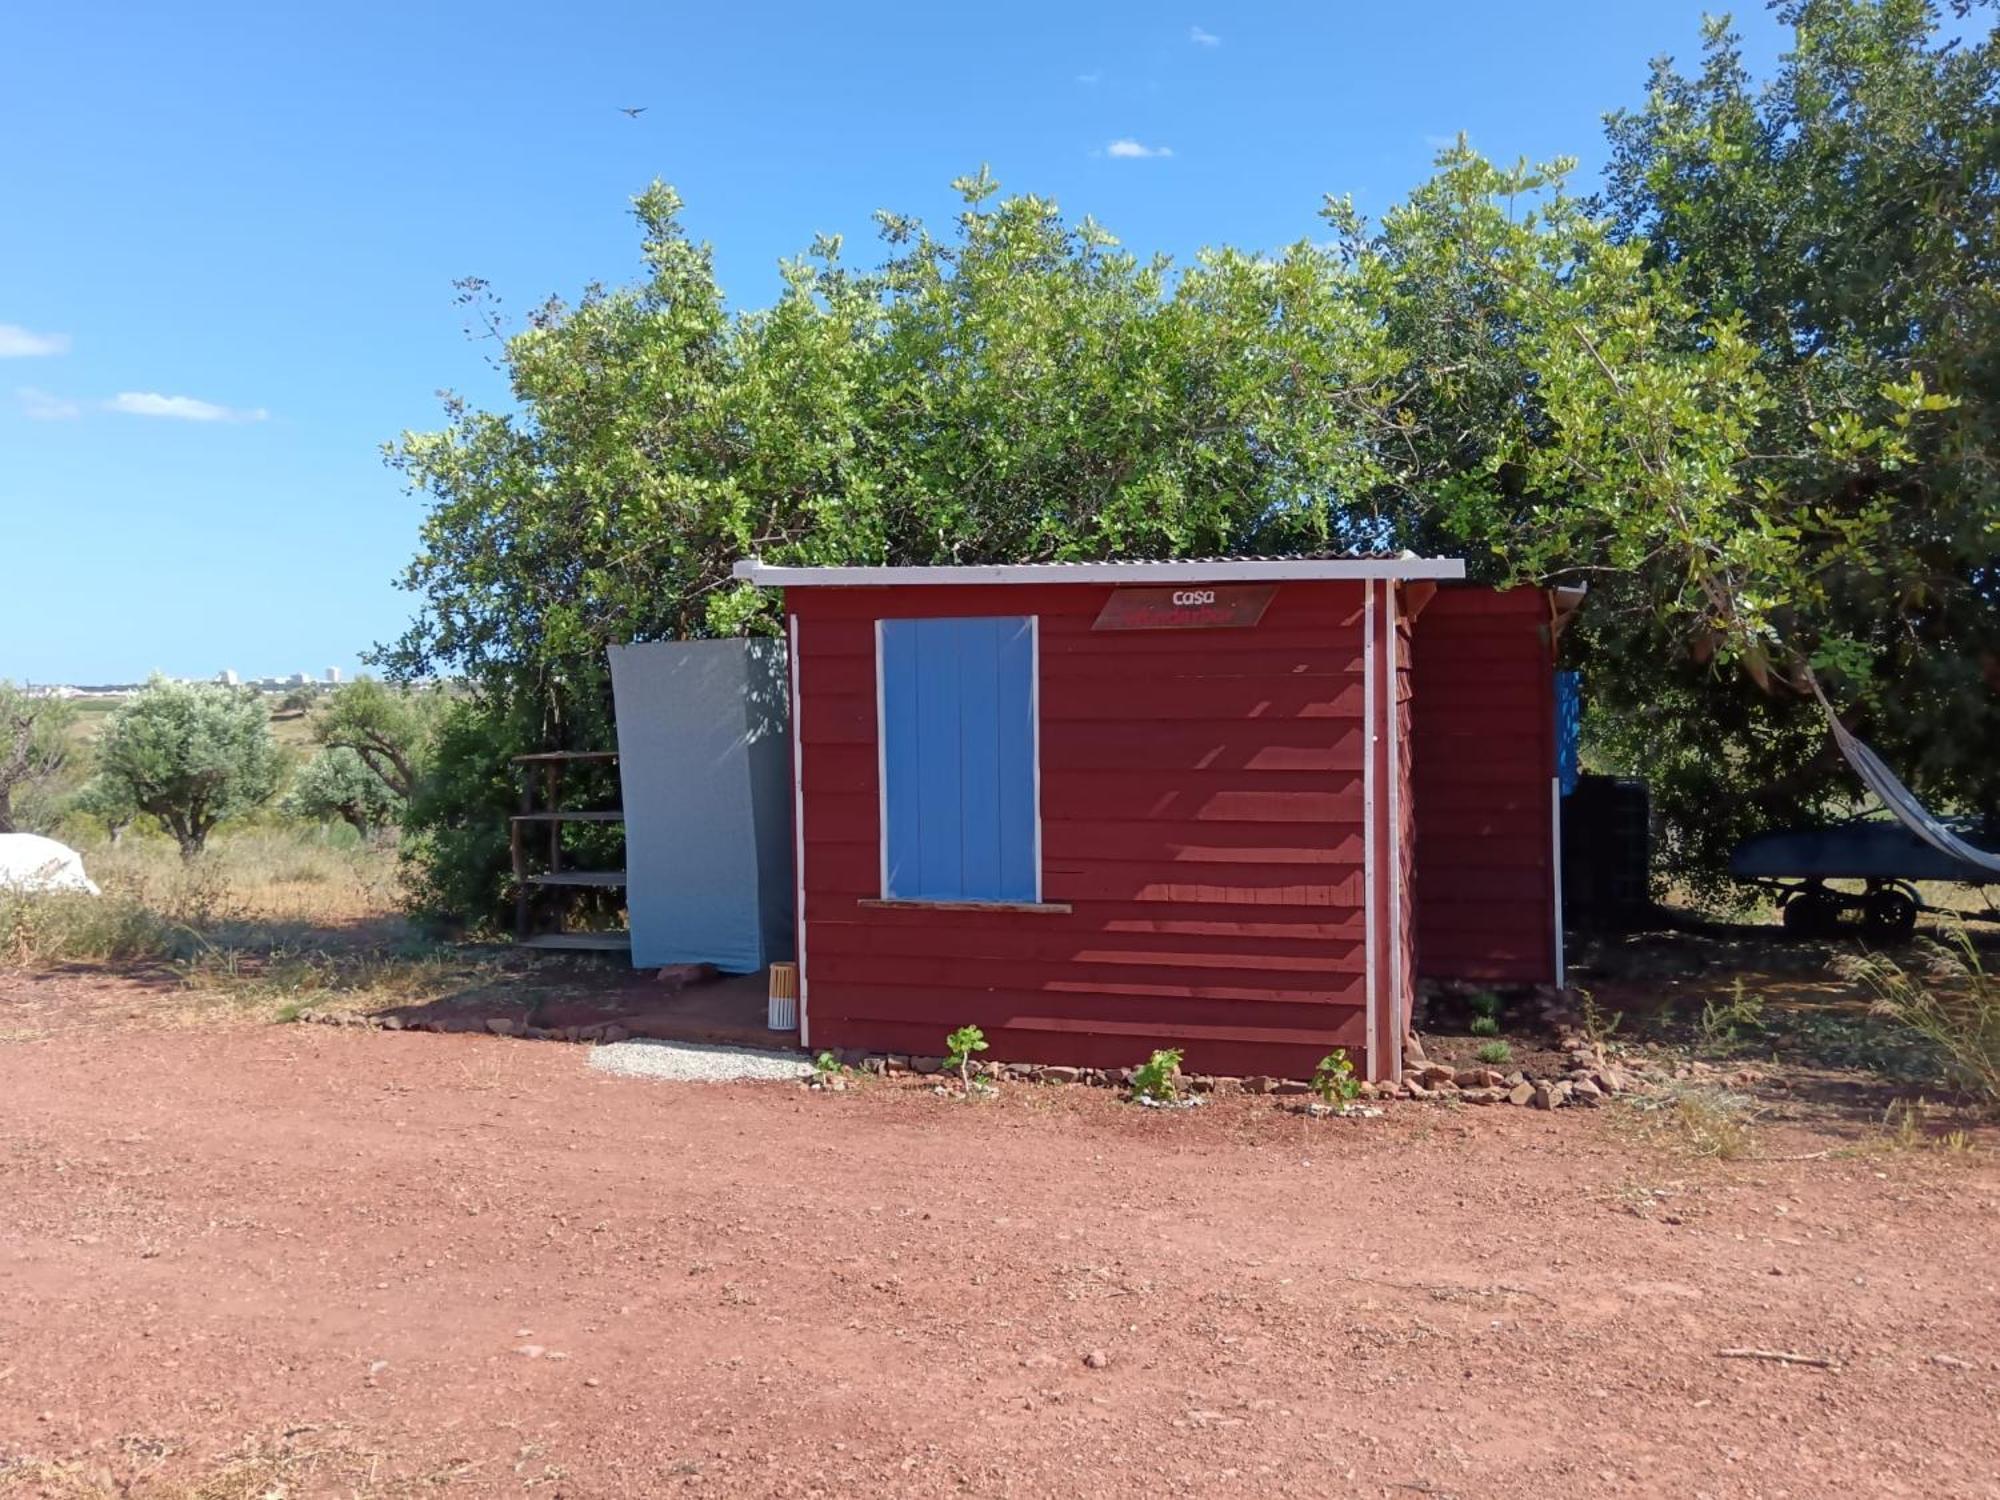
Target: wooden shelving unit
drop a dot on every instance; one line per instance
(552, 815)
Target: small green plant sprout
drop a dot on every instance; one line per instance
(1157, 1080)
(1494, 1053)
(959, 1048)
(825, 1065)
(1722, 1025)
(1598, 1028)
(1333, 1080)
(1485, 1007)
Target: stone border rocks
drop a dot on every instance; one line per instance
(1589, 1079)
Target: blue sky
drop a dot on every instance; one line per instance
(230, 231)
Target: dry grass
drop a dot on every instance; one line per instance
(276, 875)
(1945, 995)
(299, 1461)
(1701, 1121)
(258, 889)
(265, 924)
(1918, 1125)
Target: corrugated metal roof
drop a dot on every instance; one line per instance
(1173, 570)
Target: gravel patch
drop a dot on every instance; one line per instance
(696, 1062)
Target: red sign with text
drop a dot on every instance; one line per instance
(1201, 606)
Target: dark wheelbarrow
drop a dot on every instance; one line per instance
(1886, 858)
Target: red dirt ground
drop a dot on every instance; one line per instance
(392, 1263)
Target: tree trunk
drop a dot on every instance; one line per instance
(7, 810)
(190, 836)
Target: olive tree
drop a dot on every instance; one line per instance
(34, 744)
(338, 783)
(387, 728)
(191, 754)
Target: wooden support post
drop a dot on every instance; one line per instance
(516, 845)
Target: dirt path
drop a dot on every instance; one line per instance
(376, 1263)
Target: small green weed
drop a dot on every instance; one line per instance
(1485, 1026)
(1333, 1080)
(1722, 1026)
(1597, 1027)
(1158, 1078)
(1494, 1053)
(960, 1048)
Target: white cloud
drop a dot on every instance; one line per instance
(40, 406)
(17, 342)
(1131, 150)
(184, 408)
(1089, 78)
(1203, 38)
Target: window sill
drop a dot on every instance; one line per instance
(897, 903)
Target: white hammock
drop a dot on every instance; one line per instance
(1898, 798)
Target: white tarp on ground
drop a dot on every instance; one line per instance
(29, 862)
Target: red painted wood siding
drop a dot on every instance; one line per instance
(1483, 756)
(1201, 803)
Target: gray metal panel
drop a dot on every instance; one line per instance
(768, 705)
(700, 724)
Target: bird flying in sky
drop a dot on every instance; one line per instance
(632, 111)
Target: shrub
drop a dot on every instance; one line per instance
(959, 1048)
(1333, 1080)
(1494, 1053)
(1158, 1078)
(1485, 1026)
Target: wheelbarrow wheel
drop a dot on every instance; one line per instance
(1889, 915)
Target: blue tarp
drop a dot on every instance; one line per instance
(1569, 728)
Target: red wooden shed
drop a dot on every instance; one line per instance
(1099, 808)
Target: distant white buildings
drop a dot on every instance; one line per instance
(333, 677)
(228, 678)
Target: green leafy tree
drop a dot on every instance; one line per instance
(191, 754)
(1842, 220)
(109, 800)
(34, 744)
(1749, 395)
(387, 728)
(1019, 388)
(338, 783)
(1582, 405)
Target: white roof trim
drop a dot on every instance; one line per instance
(1194, 570)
